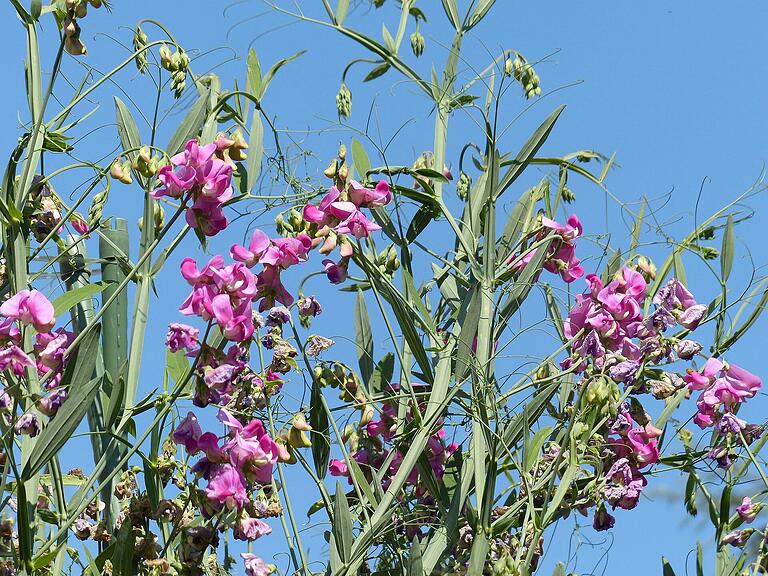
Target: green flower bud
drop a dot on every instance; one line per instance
(463, 185)
(344, 101)
(417, 43)
(166, 58)
(509, 67)
(139, 42)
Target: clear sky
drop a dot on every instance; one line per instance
(676, 90)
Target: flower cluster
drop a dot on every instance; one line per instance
(375, 444)
(30, 308)
(246, 457)
(561, 254)
(723, 388)
(613, 342)
(203, 181)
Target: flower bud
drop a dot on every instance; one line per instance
(417, 43)
(333, 167)
(342, 152)
(121, 171)
(647, 268)
(166, 59)
(463, 185)
(344, 101)
(508, 67)
(139, 43)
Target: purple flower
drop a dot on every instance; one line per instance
(309, 306)
(747, 511)
(227, 487)
(251, 529)
(255, 566)
(188, 433)
(27, 424)
(181, 337)
(602, 520)
(278, 315)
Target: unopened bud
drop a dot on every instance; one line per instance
(417, 43)
(342, 152)
(121, 171)
(344, 101)
(333, 167)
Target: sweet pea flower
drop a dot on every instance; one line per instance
(338, 468)
(15, 359)
(271, 289)
(250, 529)
(181, 337)
(227, 487)
(364, 197)
(255, 566)
(30, 307)
(309, 306)
(337, 273)
(50, 404)
(27, 425)
(187, 433)
(747, 511)
(256, 248)
(357, 224)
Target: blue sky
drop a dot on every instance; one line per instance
(676, 90)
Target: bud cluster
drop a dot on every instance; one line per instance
(177, 63)
(523, 72)
(75, 9)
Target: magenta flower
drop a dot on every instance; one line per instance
(15, 359)
(50, 404)
(181, 337)
(30, 307)
(271, 289)
(227, 487)
(50, 347)
(338, 468)
(356, 224)
(364, 197)
(187, 433)
(256, 248)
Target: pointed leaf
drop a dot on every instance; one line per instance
(727, 250)
(191, 125)
(273, 70)
(379, 70)
(363, 338)
(360, 159)
(342, 523)
(318, 419)
(253, 73)
(74, 296)
(255, 149)
(341, 11)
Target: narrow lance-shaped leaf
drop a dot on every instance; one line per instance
(363, 338)
(273, 70)
(255, 149)
(318, 419)
(191, 125)
(73, 297)
(360, 159)
(127, 130)
(342, 523)
(726, 252)
(82, 387)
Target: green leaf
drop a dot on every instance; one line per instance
(36, 8)
(122, 557)
(73, 297)
(482, 8)
(360, 159)
(82, 387)
(382, 373)
(677, 262)
(420, 221)
(341, 11)
(191, 125)
(637, 229)
(699, 560)
(379, 70)
(727, 250)
(363, 338)
(127, 130)
(342, 523)
(389, 41)
(528, 151)
(273, 70)
(469, 317)
(452, 11)
(666, 567)
(318, 419)
(415, 563)
(533, 447)
(176, 365)
(559, 569)
(253, 73)
(562, 489)
(255, 149)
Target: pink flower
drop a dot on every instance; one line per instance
(181, 337)
(51, 346)
(747, 511)
(30, 307)
(271, 289)
(644, 445)
(252, 255)
(364, 197)
(338, 468)
(251, 529)
(188, 433)
(79, 224)
(15, 359)
(50, 404)
(255, 566)
(227, 487)
(357, 224)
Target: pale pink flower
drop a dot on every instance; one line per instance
(30, 307)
